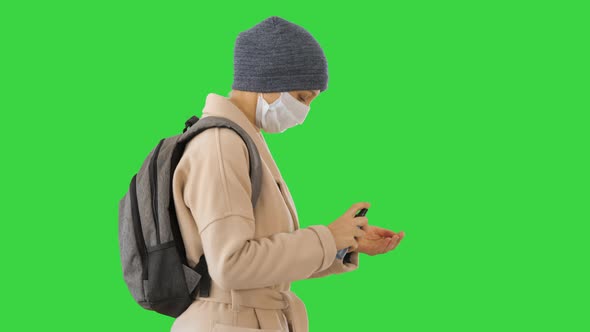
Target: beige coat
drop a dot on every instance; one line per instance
(253, 255)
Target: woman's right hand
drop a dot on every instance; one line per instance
(344, 229)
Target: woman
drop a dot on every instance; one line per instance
(253, 254)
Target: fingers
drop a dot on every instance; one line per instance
(394, 242)
(384, 232)
(360, 221)
(357, 206)
(387, 246)
(359, 232)
(354, 245)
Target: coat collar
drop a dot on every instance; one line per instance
(217, 105)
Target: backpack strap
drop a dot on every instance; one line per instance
(199, 125)
(204, 285)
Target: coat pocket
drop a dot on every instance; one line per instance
(220, 327)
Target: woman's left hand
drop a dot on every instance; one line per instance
(378, 240)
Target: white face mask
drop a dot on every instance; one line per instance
(283, 113)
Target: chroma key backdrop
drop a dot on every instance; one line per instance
(463, 123)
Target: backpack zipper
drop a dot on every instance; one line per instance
(154, 187)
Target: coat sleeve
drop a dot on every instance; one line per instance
(217, 190)
(349, 263)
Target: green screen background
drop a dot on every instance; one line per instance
(465, 124)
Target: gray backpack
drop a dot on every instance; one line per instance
(153, 256)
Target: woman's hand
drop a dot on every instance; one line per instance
(378, 240)
(346, 230)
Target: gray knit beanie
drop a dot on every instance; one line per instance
(276, 55)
